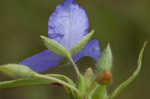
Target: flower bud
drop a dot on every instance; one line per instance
(105, 60)
(89, 76)
(104, 77)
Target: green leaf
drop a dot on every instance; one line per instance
(44, 80)
(60, 79)
(81, 86)
(55, 47)
(81, 43)
(26, 77)
(67, 80)
(23, 82)
(132, 77)
(63, 78)
(17, 71)
(99, 92)
(39, 80)
(105, 61)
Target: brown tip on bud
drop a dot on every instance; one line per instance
(104, 77)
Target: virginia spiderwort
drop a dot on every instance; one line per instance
(67, 25)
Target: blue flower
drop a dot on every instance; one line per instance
(67, 25)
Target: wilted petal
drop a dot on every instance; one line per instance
(68, 24)
(92, 50)
(42, 61)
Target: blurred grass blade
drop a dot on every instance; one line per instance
(132, 77)
(81, 43)
(54, 46)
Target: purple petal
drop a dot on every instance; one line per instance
(42, 61)
(68, 1)
(92, 50)
(68, 24)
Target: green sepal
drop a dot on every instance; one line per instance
(81, 43)
(54, 46)
(99, 92)
(17, 71)
(105, 61)
(127, 82)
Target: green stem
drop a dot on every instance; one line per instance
(75, 66)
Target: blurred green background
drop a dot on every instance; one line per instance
(123, 23)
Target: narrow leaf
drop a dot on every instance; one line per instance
(23, 82)
(82, 85)
(132, 77)
(81, 43)
(26, 77)
(67, 80)
(54, 46)
(38, 79)
(63, 78)
(34, 81)
(59, 80)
